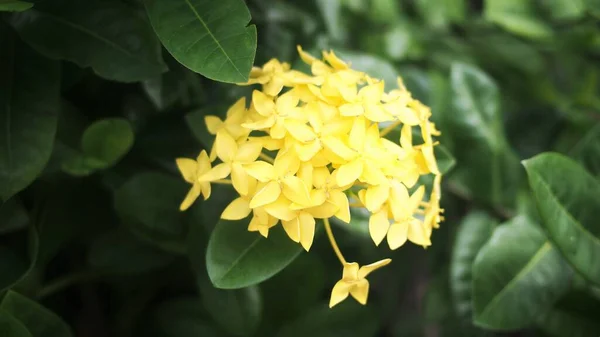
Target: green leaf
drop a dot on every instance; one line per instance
(593, 6)
(13, 216)
(11, 327)
(39, 321)
(474, 231)
(182, 317)
(237, 258)
(564, 9)
(346, 319)
(103, 144)
(208, 37)
(108, 36)
(29, 98)
(574, 316)
(372, 65)
(486, 165)
(177, 87)
(237, 311)
(15, 6)
(587, 150)
(120, 252)
(517, 276)
(442, 13)
(568, 199)
(12, 267)
(149, 203)
(331, 11)
(518, 17)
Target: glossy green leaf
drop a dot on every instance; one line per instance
(120, 252)
(372, 65)
(517, 276)
(564, 9)
(474, 231)
(149, 203)
(331, 11)
(29, 98)
(40, 321)
(575, 315)
(13, 216)
(103, 144)
(487, 166)
(442, 13)
(210, 38)
(237, 311)
(14, 6)
(237, 258)
(518, 17)
(182, 317)
(346, 319)
(568, 199)
(587, 150)
(175, 88)
(593, 6)
(11, 327)
(108, 36)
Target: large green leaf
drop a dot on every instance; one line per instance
(442, 13)
(518, 17)
(568, 199)
(517, 276)
(372, 65)
(486, 165)
(149, 203)
(29, 98)
(11, 327)
(347, 319)
(13, 216)
(14, 6)
(208, 37)
(237, 311)
(587, 150)
(120, 252)
(103, 144)
(39, 321)
(108, 36)
(474, 231)
(575, 315)
(237, 258)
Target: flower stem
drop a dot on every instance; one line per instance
(389, 128)
(266, 158)
(334, 245)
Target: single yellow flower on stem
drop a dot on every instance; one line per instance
(192, 170)
(354, 282)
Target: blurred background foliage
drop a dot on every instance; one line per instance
(93, 113)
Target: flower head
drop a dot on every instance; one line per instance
(307, 147)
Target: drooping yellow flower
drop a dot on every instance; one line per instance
(307, 144)
(354, 282)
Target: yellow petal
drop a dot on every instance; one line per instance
(226, 146)
(430, 158)
(278, 130)
(348, 173)
(295, 190)
(378, 226)
(351, 110)
(299, 130)
(239, 179)
(334, 61)
(213, 124)
(307, 230)
(306, 57)
(274, 86)
(366, 270)
(263, 104)
(281, 209)
(263, 123)
(406, 137)
(260, 170)
(269, 193)
(248, 152)
(358, 134)
(376, 113)
(340, 199)
(397, 235)
(320, 176)
(286, 101)
(324, 211)
(188, 168)
(350, 272)
(317, 197)
(307, 151)
(417, 233)
(376, 196)
(218, 172)
(292, 228)
(238, 209)
(340, 292)
(286, 163)
(192, 195)
(372, 175)
(415, 199)
(335, 145)
(205, 189)
(399, 201)
(360, 291)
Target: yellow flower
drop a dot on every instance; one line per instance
(354, 283)
(309, 141)
(192, 170)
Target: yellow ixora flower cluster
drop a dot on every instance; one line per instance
(311, 146)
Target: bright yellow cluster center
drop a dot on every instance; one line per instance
(312, 146)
